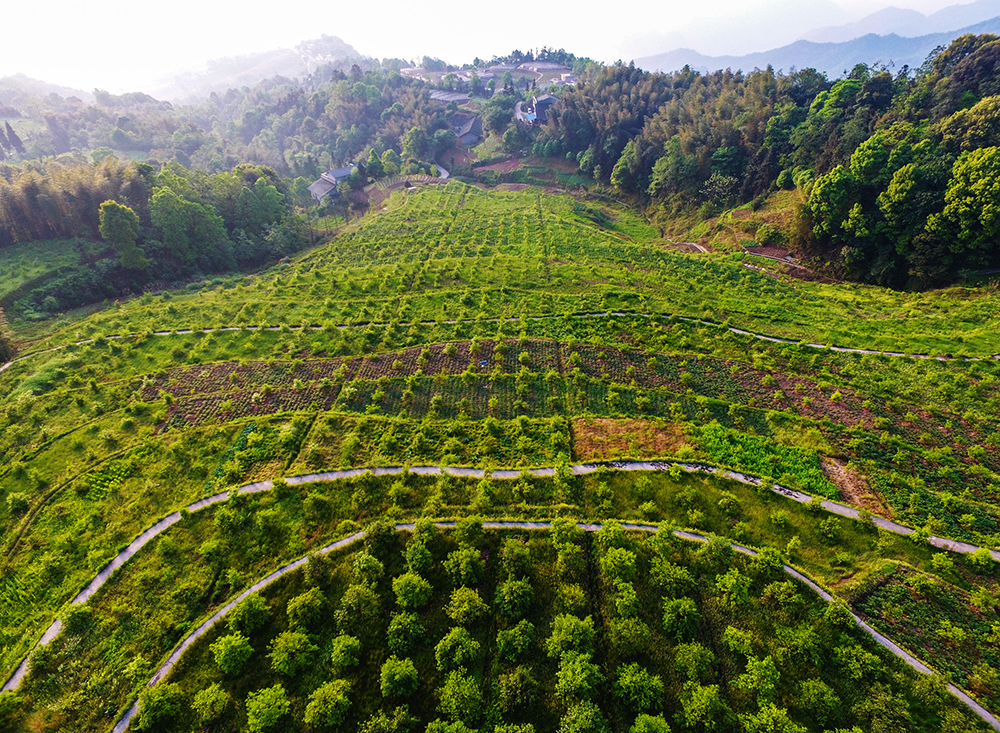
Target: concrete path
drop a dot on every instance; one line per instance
(14, 682)
(122, 725)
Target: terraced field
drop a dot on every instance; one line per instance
(500, 331)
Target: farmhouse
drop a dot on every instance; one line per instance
(540, 106)
(468, 128)
(328, 182)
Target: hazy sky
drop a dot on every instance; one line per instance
(118, 45)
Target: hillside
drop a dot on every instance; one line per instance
(878, 160)
(492, 332)
(220, 75)
(829, 57)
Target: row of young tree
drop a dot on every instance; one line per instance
(615, 634)
(160, 226)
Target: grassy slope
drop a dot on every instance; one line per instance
(533, 243)
(85, 448)
(21, 263)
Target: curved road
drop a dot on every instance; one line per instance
(168, 665)
(102, 577)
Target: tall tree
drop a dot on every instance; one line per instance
(120, 227)
(190, 231)
(970, 221)
(15, 141)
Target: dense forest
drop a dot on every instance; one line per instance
(299, 130)
(897, 168)
(159, 226)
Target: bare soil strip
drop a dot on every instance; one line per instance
(853, 488)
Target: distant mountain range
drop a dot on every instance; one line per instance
(908, 23)
(831, 58)
(218, 75)
(227, 73)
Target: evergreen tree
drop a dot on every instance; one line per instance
(15, 141)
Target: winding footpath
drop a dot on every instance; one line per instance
(102, 577)
(122, 725)
(453, 322)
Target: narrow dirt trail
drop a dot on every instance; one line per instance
(580, 469)
(122, 725)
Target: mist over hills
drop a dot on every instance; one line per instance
(16, 89)
(235, 72)
(195, 85)
(831, 58)
(908, 23)
(892, 36)
(745, 29)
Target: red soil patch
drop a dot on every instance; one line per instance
(853, 488)
(504, 166)
(768, 252)
(463, 157)
(602, 438)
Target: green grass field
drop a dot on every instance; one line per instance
(21, 263)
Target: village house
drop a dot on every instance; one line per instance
(468, 128)
(540, 66)
(328, 182)
(537, 113)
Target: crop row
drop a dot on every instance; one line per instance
(206, 409)
(940, 622)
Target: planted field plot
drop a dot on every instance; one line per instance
(221, 408)
(476, 356)
(936, 620)
(488, 629)
(725, 380)
(378, 441)
(229, 376)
